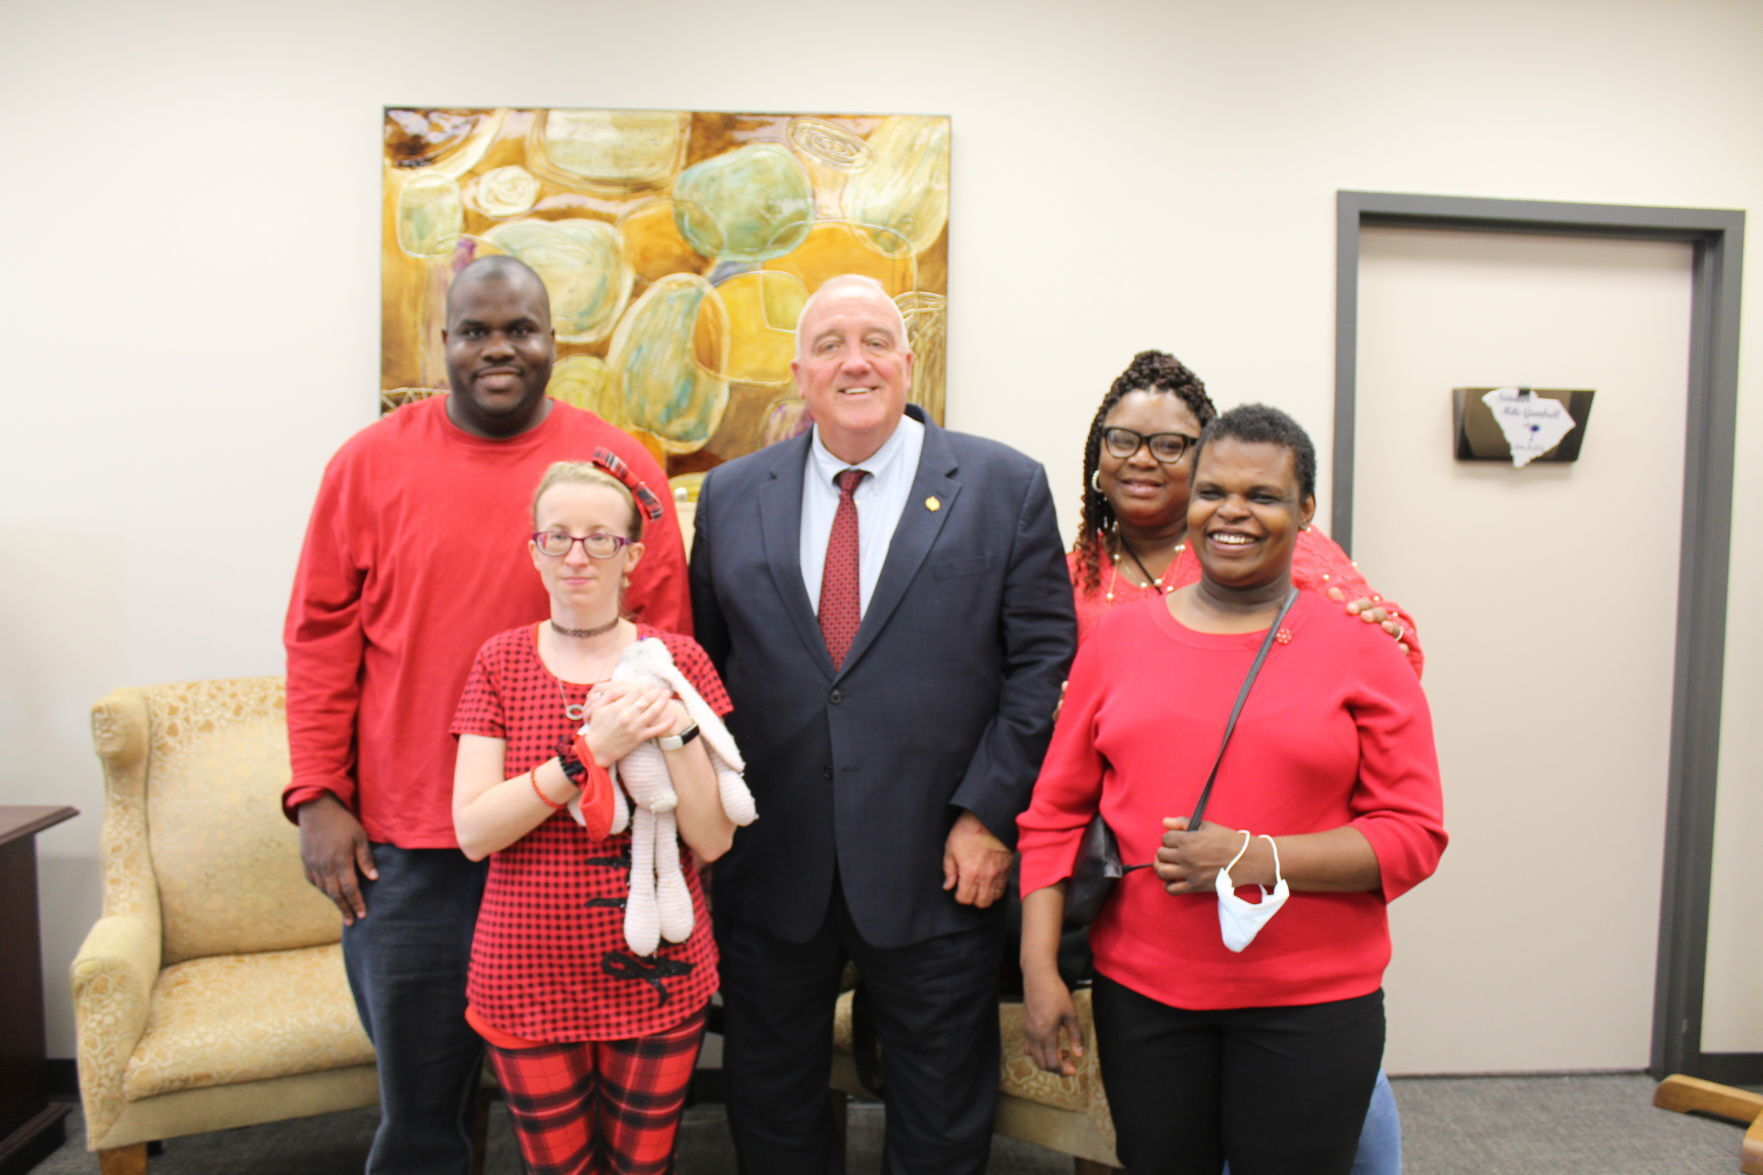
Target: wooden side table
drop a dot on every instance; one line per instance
(30, 1127)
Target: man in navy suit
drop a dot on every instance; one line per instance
(894, 640)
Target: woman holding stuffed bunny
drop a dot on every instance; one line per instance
(1132, 534)
(1229, 1029)
(593, 1044)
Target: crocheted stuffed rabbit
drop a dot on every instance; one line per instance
(660, 905)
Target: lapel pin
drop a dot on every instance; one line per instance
(933, 504)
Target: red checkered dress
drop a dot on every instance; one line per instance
(549, 962)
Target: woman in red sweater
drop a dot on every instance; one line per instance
(593, 1045)
(1265, 1057)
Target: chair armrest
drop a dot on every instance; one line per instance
(113, 977)
(120, 736)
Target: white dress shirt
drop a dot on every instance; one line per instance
(880, 499)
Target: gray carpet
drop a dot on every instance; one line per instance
(1543, 1125)
(1450, 1126)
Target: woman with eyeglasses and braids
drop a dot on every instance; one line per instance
(1132, 536)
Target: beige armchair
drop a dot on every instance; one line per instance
(211, 993)
(1065, 1114)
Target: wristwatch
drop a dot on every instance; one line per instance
(673, 742)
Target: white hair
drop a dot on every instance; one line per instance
(833, 286)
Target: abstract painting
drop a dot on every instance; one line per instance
(678, 249)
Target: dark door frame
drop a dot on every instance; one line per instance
(1717, 237)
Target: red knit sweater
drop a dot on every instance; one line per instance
(1336, 731)
(416, 553)
(549, 961)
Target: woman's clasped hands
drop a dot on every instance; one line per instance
(625, 714)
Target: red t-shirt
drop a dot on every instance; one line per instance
(549, 962)
(415, 555)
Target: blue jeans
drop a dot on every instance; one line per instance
(1380, 1139)
(1380, 1142)
(407, 962)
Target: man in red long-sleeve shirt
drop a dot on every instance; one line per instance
(414, 556)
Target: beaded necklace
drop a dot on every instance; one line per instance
(1152, 582)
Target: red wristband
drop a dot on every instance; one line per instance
(533, 775)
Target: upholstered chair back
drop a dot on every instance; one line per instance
(225, 860)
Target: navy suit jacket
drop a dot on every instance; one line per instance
(944, 703)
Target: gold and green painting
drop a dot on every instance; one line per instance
(678, 249)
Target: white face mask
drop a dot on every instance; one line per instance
(1241, 921)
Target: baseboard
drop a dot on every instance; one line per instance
(1730, 1068)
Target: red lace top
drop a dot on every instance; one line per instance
(1318, 564)
(549, 963)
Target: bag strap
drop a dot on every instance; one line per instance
(1242, 696)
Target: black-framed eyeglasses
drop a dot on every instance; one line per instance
(598, 545)
(1167, 447)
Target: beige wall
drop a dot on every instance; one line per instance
(190, 289)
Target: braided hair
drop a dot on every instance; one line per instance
(1149, 371)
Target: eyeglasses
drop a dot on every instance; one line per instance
(598, 545)
(1167, 447)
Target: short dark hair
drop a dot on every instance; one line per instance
(496, 265)
(1149, 371)
(1263, 424)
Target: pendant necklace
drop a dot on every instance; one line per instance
(574, 711)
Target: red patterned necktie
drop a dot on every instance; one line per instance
(841, 599)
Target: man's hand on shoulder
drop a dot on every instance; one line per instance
(332, 847)
(976, 864)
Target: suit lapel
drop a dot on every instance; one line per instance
(780, 525)
(913, 537)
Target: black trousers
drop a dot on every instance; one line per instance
(1273, 1090)
(936, 1009)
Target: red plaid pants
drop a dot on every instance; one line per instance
(600, 1107)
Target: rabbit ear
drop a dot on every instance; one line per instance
(710, 725)
(737, 800)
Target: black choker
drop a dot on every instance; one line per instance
(585, 633)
